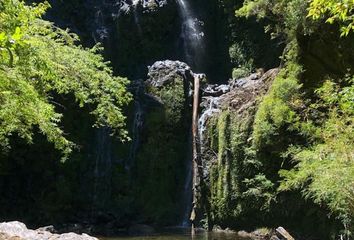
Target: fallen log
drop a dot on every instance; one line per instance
(283, 234)
(195, 148)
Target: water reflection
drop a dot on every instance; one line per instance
(182, 235)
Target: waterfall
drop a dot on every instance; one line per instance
(137, 21)
(101, 31)
(212, 107)
(102, 169)
(138, 91)
(192, 36)
(187, 189)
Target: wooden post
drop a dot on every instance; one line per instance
(195, 149)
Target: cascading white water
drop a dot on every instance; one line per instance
(212, 108)
(193, 50)
(192, 36)
(210, 111)
(101, 31)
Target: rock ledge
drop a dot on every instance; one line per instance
(19, 231)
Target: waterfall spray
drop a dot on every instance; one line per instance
(193, 49)
(191, 35)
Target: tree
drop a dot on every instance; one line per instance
(290, 14)
(284, 16)
(341, 11)
(322, 164)
(38, 60)
(324, 169)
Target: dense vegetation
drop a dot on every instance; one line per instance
(301, 137)
(39, 61)
(324, 165)
(288, 159)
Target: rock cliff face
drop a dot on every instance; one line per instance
(147, 32)
(163, 157)
(226, 139)
(105, 181)
(136, 33)
(164, 73)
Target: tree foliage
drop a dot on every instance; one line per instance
(341, 11)
(278, 108)
(325, 169)
(284, 16)
(289, 15)
(323, 163)
(39, 61)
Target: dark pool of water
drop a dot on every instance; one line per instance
(181, 235)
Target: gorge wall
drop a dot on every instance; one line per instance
(110, 184)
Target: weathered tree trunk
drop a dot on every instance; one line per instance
(195, 149)
(281, 232)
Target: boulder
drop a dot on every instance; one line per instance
(18, 231)
(162, 73)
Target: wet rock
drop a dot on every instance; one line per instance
(262, 233)
(150, 5)
(236, 83)
(244, 92)
(226, 121)
(217, 228)
(266, 234)
(215, 90)
(259, 234)
(162, 73)
(243, 234)
(49, 228)
(238, 95)
(19, 231)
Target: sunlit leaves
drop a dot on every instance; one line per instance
(278, 107)
(284, 16)
(325, 170)
(290, 14)
(341, 11)
(38, 59)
